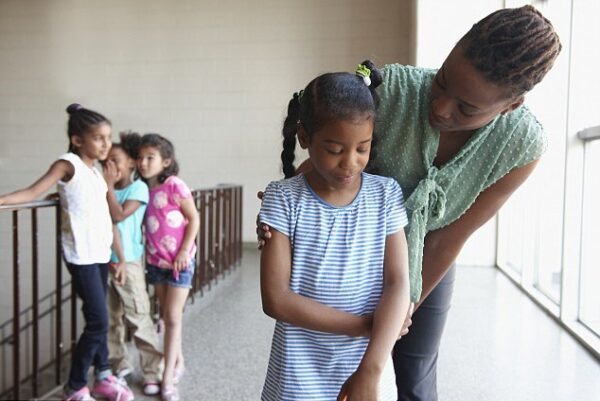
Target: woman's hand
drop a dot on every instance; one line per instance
(408, 321)
(262, 230)
(182, 260)
(362, 385)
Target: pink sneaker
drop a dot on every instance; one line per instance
(83, 394)
(112, 389)
(169, 394)
(178, 374)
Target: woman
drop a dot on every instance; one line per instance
(460, 142)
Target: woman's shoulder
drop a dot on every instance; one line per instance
(406, 75)
(523, 125)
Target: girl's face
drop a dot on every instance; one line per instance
(463, 100)
(94, 144)
(339, 152)
(150, 163)
(122, 161)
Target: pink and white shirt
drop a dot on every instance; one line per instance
(165, 223)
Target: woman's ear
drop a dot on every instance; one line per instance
(302, 137)
(514, 104)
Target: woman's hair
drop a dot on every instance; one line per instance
(129, 143)
(329, 97)
(166, 150)
(512, 47)
(81, 121)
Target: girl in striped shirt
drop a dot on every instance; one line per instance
(334, 273)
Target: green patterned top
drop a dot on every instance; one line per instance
(407, 145)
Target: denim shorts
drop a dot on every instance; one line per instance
(158, 275)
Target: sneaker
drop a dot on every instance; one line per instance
(151, 388)
(123, 373)
(83, 394)
(177, 375)
(170, 394)
(112, 389)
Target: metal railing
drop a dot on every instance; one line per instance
(219, 246)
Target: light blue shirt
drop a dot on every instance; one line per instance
(337, 260)
(131, 228)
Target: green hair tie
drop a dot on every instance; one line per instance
(365, 73)
(300, 95)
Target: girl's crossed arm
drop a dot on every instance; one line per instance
(394, 303)
(283, 304)
(59, 170)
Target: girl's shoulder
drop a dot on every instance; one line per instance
(288, 188)
(138, 190)
(379, 182)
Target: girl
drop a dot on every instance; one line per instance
(171, 224)
(335, 270)
(127, 295)
(87, 234)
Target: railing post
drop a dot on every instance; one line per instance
(202, 241)
(59, 341)
(34, 303)
(16, 310)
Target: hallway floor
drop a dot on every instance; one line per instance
(498, 345)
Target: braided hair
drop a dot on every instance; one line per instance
(512, 47)
(81, 121)
(328, 97)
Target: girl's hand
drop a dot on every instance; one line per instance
(119, 272)
(362, 385)
(182, 260)
(262, 230)
(110, 173)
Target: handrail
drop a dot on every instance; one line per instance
(29, 205)
(589, 134)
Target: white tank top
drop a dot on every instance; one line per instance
(86, 226)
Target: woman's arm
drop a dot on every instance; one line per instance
(60, 169)
(188, 209)
(394, 303)
(283, 304)
(443, 246)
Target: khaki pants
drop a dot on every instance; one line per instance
(129, 305)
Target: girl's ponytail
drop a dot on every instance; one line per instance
(290, 129)
(376, 77)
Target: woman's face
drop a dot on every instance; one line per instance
(463, 100)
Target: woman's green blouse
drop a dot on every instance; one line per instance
(407, 145)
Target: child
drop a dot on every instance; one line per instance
(171, 224)
(335, 270)
(87, 234)
(127, 296)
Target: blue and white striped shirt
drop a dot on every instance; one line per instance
(337, 259)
